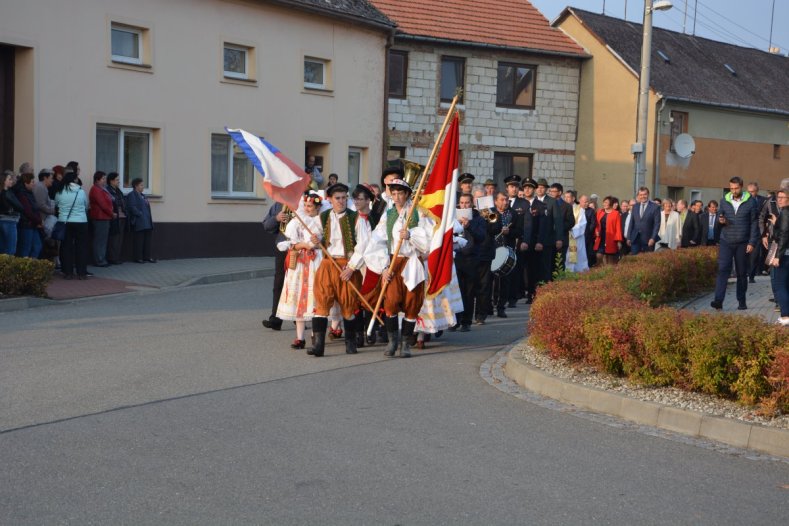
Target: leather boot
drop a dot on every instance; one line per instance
(407, 333)
(350, 335)
(382, 335)
(319, 326)
(393, 335)
(361, 327)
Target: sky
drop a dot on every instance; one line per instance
(740, 22)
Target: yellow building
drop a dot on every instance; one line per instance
(731, 100)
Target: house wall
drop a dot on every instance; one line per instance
(66, 84)
(728, 144)
(547, 132)
(607, 120)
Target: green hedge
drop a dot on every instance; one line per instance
(24, 276)
(614, 319)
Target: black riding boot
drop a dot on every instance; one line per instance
(361, 327)
(407, 333)
(350, 335)
(393, 334)
(319, 326)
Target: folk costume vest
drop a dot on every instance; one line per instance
(391, 219)
(347, 226)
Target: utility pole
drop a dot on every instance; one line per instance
(772, 19)
(695, 11)
(685, 18)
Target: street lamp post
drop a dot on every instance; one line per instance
(639, 149)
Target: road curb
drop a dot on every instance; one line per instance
(27, 302)
(739, 434)
(241, 275)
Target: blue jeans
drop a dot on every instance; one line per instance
(8, 237)
(726, 254)
(29, 243)
(781, 285)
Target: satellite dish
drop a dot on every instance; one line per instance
(684, 145)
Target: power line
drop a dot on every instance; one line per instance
(760, 37)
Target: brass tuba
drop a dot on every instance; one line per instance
(490, 215)
(289, 215)
(411, 172)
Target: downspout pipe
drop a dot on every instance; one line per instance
(660, 105)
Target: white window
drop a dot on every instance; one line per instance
(355, 163)
(231, 171)
(127, 151)
(236, 62)
(315, 73)
(127, 44)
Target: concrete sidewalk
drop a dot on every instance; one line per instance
(131, 277)
(757, 298)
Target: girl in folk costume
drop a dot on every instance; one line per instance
(297, 302)
(438, 312)
(576, 254)
(405, 274)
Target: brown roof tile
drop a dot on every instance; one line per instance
(507, 23)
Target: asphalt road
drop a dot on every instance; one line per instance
(179, 408)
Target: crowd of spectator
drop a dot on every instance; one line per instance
(51, 217)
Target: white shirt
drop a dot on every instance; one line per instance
(736, 203)
(336, 247)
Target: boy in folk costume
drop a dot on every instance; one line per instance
(297, 302)
(345, 236)
(406, 274)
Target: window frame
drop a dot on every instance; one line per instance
(232, 74)
(516, 65)
(499, 178)
(325, 65)
(122, 130)
(231, 192)
(404, 71)
(452, 58)
(673, 127)
(123, 59)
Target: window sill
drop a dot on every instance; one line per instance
(239, 82)
(235, 199)
(325, 92)
(144, 68)
(514, 109)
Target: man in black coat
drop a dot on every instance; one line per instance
(467, 261)
(549, 226)
(518, 208)
(528, 257)
(756, 257)
(690, 230)
(275, 219)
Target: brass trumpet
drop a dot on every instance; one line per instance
(490, 216)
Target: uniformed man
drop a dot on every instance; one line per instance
(465, 183)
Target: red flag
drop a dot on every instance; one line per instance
(439, 200)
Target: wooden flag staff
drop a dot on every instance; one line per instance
(415, 200)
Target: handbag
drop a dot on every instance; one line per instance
(772, 252)
(59, 230)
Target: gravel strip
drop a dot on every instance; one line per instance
(670, 396)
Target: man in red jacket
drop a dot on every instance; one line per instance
(100, 214)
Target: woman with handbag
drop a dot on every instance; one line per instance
(297, 302)
(72, 204)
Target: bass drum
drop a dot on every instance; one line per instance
(504, 261)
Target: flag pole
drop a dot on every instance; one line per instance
(415, 198)
(337, 266)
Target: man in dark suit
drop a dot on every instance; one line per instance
(710, 227)
(518, 207)
(644, 224)
(565, 223)
(625, 208)
(550, 225)
(274, 224)
(527, 256)
(591, 225)
(690, 229)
